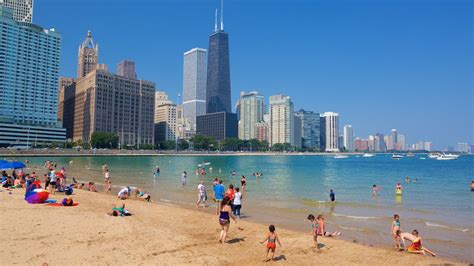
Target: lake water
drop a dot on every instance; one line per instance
(439, 204)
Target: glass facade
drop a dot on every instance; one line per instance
(29, 70)
(219, 125)
(310, 128)
(218, 96)
(194, 85)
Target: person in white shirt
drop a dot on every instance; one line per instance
(237, 204)
(123, 193)
(202, 196)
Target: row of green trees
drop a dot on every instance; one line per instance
(199, 143)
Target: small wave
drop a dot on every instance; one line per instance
(446, 227)
(166, 200)
(355, 217)
(351, 228)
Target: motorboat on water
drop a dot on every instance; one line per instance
(339, 156)
(410, 155)
(447, 157)
(433, 155)
(397, 156)
(368, 155)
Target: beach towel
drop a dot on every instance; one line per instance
(60, 205)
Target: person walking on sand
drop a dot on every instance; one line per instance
(219, 191)
(202, 196)
(314, 230)
(184, 176)
(224, 219)
(416, 246)
(271, 239)
(394, 229)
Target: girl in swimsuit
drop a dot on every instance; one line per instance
(396, 227)
(271, 240)
(243, 182)
(314, 230)
(224, 218)
(416, 245)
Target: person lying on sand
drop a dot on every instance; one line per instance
(322, 228)
(120, 211)
(91, 187)
(142, 195)
(416, 245)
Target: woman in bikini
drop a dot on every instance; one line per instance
(224, 218)
(271, 240)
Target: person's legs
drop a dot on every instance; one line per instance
(226, 228)
(198, 201)
(266, 255)
(237, 210)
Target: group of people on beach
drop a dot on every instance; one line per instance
(415, 238)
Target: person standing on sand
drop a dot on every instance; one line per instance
(219, 190)
(224, 219)
(184, 176)
(314, 230)
(332, 195)
(202, 196)
(394, 229)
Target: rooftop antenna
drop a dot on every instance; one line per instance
(222, 15)
(215, 23)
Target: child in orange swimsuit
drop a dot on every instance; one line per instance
(271, 240)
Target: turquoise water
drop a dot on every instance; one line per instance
(439, 204)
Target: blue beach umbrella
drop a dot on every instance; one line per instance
(11, 165)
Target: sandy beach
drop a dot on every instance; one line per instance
(159, 234)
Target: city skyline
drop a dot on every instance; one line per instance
(407, 110)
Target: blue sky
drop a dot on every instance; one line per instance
(381, 64)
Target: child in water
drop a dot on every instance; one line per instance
(271, 240)
(314, 230)
(394, 229)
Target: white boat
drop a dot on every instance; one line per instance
(447, 157)
(410, 155)
(422, 158)
(368, 155)
(397, 156)
(338, 156)
(433, 155)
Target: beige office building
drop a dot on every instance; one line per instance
(165, 118)
(281, 120)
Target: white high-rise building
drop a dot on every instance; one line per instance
(401, 142)
(463, 147)
(22, 9)
(250, 109)
(331, 128)
(194, 85)
(348, 138)
(281, 120)
(394, 140)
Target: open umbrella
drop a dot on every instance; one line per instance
(11, 165)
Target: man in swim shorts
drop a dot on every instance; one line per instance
(219, 190)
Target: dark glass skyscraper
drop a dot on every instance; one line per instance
(218, 96)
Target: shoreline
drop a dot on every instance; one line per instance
(165, 232)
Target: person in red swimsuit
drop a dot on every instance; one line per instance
(271, 239)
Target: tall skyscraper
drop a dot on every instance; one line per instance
(218, 73)
(281, 120)
(67, 91)
(394, 138)
(29, 70)
(107, 102)
(463, 147)
(310, 129)
(194, 85)
(297, 131)
(126, 68)
(88, 56)
(401, 142)
(22, 9)
(348, 138)
(331, 120)
(250, 110)
(371, 143)
(380, 145)
(219, 122)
